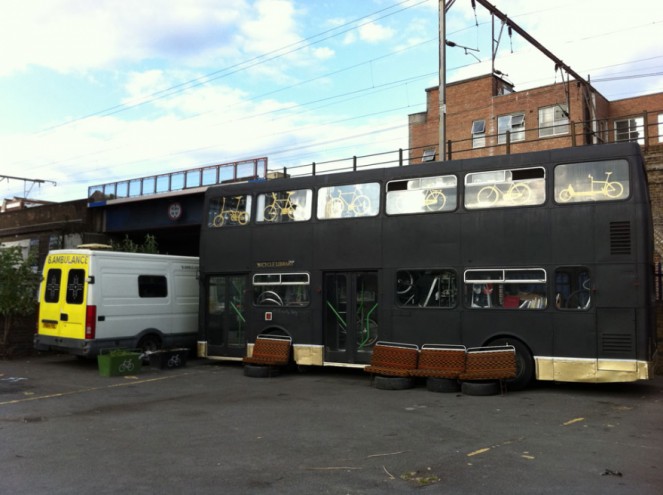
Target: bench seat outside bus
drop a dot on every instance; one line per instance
(440, 361)
(270, 350)
(490, 363)
(393, 359)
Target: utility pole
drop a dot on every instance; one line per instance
(442, 97)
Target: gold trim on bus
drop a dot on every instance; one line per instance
(202, 353)
(201, 349)
(308, 355)
(565, 369)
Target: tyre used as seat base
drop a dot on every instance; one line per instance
(393, 382)
(445, 385)
(260, 371)
(490, 387)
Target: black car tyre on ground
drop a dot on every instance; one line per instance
(491, 387)
(260, 371)
(393, 382)
(442, 385)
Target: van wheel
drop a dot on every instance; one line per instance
(149, 343)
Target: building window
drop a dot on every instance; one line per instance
(630, 130)
(478, 134)
(515, 124)
(553, 121)
(429, 155)
(660, 127)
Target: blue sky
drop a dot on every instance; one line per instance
(93, 92)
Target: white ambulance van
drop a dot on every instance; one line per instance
(93, 300)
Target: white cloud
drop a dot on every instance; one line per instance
(70, 35)
(375, 33)
(323, 53)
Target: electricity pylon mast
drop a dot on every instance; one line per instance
(32, 182)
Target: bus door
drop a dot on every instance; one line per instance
(350, 315)
(574, 325)
(225, 322)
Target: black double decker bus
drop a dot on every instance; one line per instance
(551, 252)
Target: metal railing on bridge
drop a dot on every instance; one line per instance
(255, 168)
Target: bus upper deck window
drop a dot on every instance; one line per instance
(505, 188)
(349, 201)
(284, 206)
(606, 180)
(422, 195)
(229, 210)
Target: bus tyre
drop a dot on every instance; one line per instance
(524, 364)
(442, 385)
(481, 388)
(393, 382)
(260, 371)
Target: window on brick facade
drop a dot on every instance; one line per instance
(630, 130)
(429, 155)
(514, 123)
(478, 134)
(660, 127)
(553, 120)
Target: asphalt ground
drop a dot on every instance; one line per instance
(207, 428)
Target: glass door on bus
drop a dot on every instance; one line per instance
(225, 324)
(350, 316)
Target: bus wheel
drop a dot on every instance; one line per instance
(524, 364)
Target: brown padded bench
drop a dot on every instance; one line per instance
(490, 363)
(270, 350)
(440, 361)
(393, 359)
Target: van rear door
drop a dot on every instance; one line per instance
(63, 297)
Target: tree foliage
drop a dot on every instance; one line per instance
(150, 245)
(18, 286)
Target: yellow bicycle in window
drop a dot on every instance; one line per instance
(517, 194)
(280, 207)
(229, 215)
(611, 189)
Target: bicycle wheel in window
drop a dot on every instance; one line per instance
(367, 332)
(271, 213)
(219, 220)
(488, 195)
(435, 200)
(361, 205)
(614, 189)
(520, 194)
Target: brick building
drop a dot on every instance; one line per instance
(486, 117)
